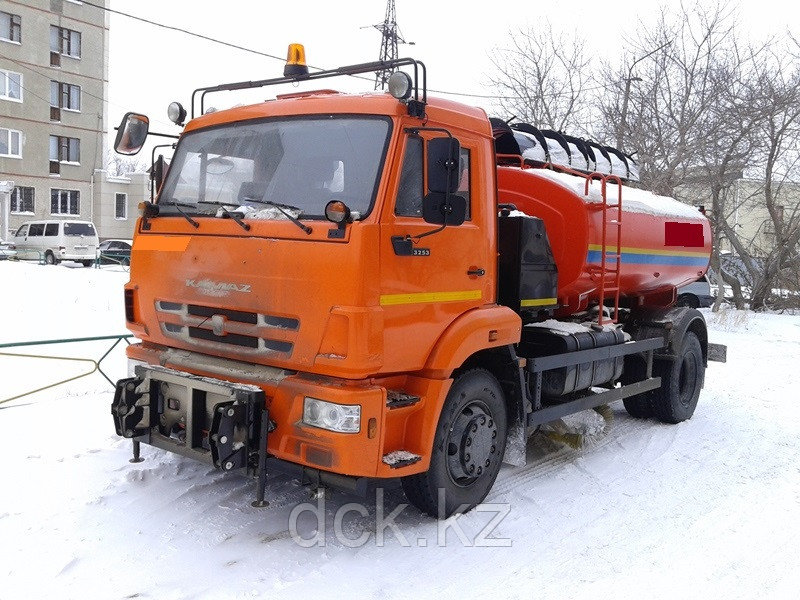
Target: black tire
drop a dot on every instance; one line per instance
(87, 263)
(50, 258)
(681, 382)
(635, 370)
(689, 300)
(472, 429)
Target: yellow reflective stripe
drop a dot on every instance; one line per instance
(162, 243)
(395, 299)
(627, 250)
(538, 302)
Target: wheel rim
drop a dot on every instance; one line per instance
(471, 444)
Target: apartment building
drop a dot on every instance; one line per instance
(53, 117)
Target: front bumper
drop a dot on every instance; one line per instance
(386, 425)
(206, 419)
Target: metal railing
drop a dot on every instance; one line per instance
(95, 364)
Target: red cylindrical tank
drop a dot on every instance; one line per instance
(664, 243)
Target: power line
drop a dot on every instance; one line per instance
(181, 30)
(279, 58)
(83, 91)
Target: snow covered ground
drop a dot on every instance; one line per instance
(709, 508)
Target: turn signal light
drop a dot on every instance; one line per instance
(295, 61)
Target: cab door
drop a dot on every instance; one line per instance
(447, 273)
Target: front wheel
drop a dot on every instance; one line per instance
(467, 449)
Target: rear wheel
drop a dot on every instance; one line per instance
(467, 449)
(689, 300)
(50, 258)
(681, 382)
(87, 263)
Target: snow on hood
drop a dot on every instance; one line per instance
(266, 213)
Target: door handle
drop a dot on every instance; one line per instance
(476, 272)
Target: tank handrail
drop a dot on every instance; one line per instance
(603, 178)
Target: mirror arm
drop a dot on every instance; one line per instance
(153, 191)
(165, 135)
(417, 238)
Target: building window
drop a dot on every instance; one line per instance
(63, 150)
(121, 206)
(10, 27)
(63, 95)
(10, 85)
(10, 143)
(22, 200)
(63, 42)
(65, 202)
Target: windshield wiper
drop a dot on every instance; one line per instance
(281, 208)
(230, 214)
(178, 205)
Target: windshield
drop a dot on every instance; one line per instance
(297, 162)
(78, 229)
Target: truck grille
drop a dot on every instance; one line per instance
(217, 327)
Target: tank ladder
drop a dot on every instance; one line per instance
(609, 277)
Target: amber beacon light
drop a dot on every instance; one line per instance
(295, 61)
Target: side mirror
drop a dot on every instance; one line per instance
(131, 134)
(440, 208)
(443, 165)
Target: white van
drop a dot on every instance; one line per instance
(55, 241)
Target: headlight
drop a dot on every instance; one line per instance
(344, 418)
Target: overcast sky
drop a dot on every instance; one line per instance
(150, 67)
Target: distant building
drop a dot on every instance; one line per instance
(53, 118)
(748, 212)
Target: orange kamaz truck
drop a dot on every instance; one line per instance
(389, 286)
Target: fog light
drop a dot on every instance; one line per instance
(343, 418)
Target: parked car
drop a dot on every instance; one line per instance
(117, 252)
(7, 250)
(696, 294)
(54, 241)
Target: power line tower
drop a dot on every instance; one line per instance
(389, 42)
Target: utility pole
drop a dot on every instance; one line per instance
(391, 38)
(623, 125)
(6, 188)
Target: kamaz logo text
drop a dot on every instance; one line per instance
(217, 286)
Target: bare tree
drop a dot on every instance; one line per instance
(118, 166)
(776, 159)
(670, 101)
(542, 78)
(700, 109)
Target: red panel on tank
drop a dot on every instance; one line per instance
(688, 235)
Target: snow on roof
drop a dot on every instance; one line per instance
(633, 199)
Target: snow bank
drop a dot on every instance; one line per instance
(707, 508)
